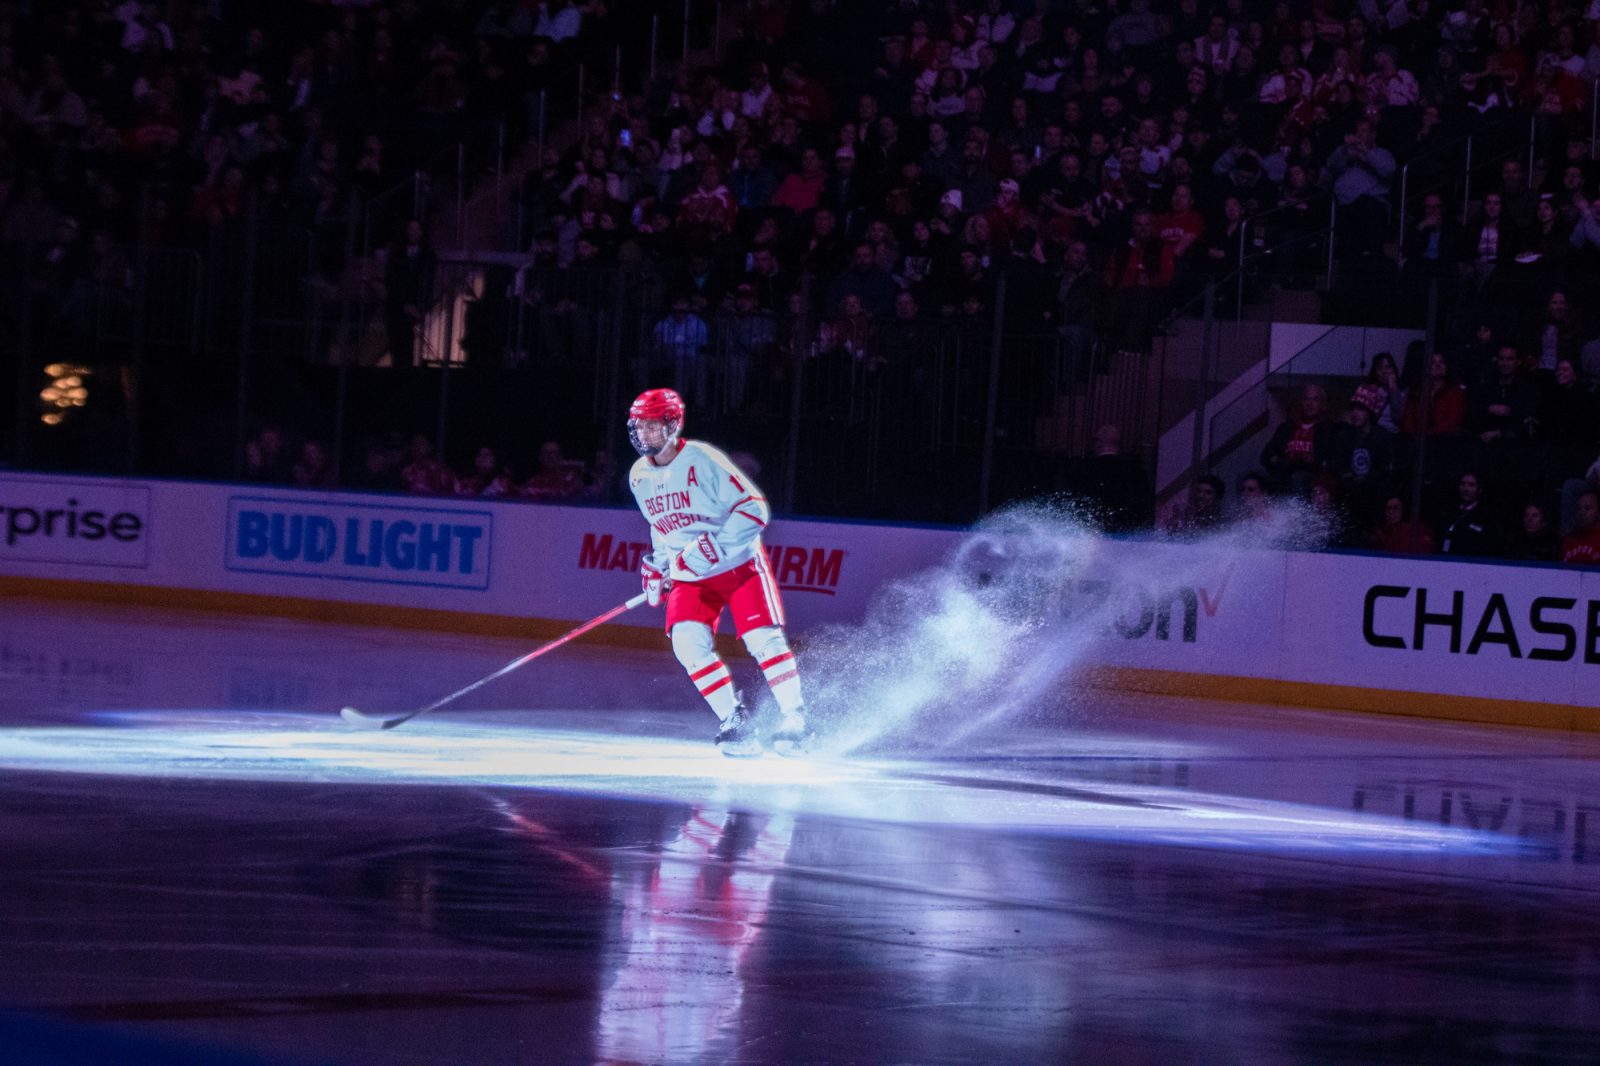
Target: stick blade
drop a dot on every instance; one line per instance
(357, 720)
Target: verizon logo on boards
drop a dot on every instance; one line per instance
(797, 569)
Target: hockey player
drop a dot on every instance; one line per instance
(706, 519)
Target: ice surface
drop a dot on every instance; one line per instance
(197, 848)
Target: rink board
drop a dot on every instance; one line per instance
(1473, 642)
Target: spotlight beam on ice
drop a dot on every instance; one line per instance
(297, 749)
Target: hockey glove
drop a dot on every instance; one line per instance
(655, 583)
(698, 559)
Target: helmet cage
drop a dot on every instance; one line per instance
(671, 426)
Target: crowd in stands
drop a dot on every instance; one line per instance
(398, 464)
(1499, 445)
(157, 120)
(1075, 166)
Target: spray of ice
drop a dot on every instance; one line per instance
(996, 632)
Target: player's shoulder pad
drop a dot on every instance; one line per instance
(638, 470)
(702, 450)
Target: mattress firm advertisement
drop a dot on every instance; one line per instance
(1222, 608)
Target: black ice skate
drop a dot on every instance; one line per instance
(793, 735)
(738, 737)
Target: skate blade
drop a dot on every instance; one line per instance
(741, 749)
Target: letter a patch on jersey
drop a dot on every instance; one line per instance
(692, 479)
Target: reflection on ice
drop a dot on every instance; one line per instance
(1019, 795)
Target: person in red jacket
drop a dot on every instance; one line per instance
(1400, 534)
(1438, 406)
(1581, 547)
(1138, 275)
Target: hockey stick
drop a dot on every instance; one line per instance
(372, 721)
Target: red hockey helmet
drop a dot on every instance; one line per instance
(655, 405)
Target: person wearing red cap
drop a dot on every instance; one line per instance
(706, 518)
(1361, 455)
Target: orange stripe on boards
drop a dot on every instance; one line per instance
(1524, 713)
(339, 612)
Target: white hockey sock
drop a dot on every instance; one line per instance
(692, 643)
(716, 685)
(778, 666)
(784, 680)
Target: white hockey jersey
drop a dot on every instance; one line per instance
(705, 516)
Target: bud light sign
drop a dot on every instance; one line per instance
(360, 542)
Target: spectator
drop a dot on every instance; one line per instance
(1030, 308)
(802, 191)
(1216, 48)
(752, 182)
(1388, 85)
(1182, 226)
(865, 280)
(1224, 244)
(1293, 452)
(556, 480)
(1548, 246)
(1111, 485)
(1438, 407)
(1255, 500)
(749, 341)
(1081, 293)
(1360, 454)
(849, 334)
(1534, 540)
(489, 477)
(708, 212)
(1386, 376)
(1399, 533)
(603, 481)
(1569, 418)
(1138, 274)
(1431, 248)
(1504, 408)
(845, 193)
(407, 291)
(425, 474)
(313, 470)
(767, 280)
(1291, 79)
(1469, 529)
(1556, 336)
(972, 178)
(1201, 511)
(1518, 197)
(1581, 547)
(822, 251)
(679, 344)
(1492, 242)
(1361, 172)
(266, 457)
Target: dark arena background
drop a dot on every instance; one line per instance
(1154, 442)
